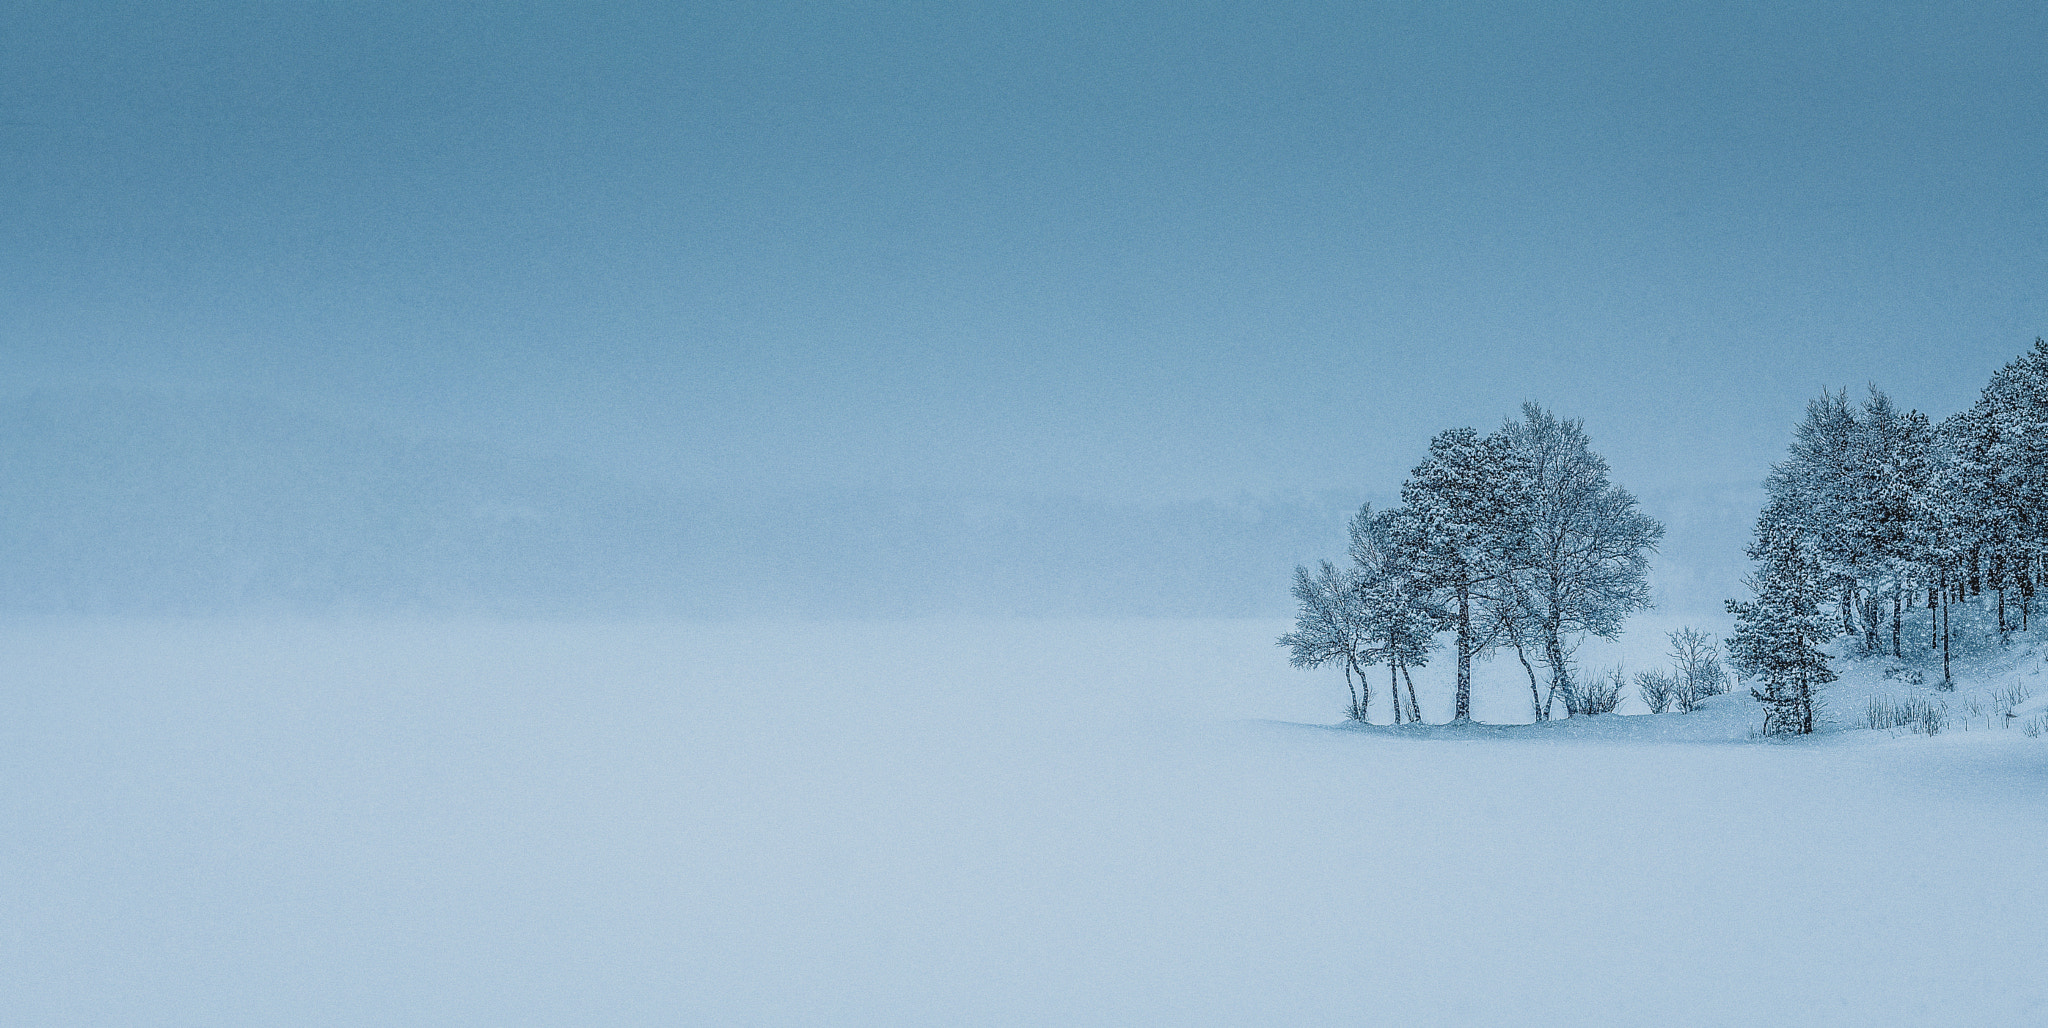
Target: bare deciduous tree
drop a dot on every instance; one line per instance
(1586, 559)
(1330, 628)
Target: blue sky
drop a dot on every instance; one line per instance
(1126, 251)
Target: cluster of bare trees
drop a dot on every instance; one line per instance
(1696, 674)
(1516, 539)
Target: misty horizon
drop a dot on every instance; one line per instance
(1143, 255)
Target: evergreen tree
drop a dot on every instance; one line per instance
(1892, 472)
(1814, 488)
(2000, 447)
(1887, 508)
(1777, 635)
(1469, 506)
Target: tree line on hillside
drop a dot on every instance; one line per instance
(1877, 512)
(1512, 540)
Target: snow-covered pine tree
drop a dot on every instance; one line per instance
(1469, 505)
(1893, 467)
(1855, 483)
(1778, 634)
(1887, 506)
(2022, 452)
(2001, 450)
(1586, 560)
(1942, 540)
(1983, 518)
(1815, 488)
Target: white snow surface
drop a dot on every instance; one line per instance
(931, 823)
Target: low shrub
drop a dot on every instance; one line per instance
(1916, 714)
(1657, 689)
(1595, 694)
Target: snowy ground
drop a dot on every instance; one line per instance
(1009, 823)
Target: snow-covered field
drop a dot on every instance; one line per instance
(240, 823)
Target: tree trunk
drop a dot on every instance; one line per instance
(1357, 710)
(1898, 609)
(1553, 652)
(1464, 704)
(1933, 619)
(2026, 595)
(1414, 708)
(1948, 683)
(1849, 609)
(1535, 694)
(1394, 687)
